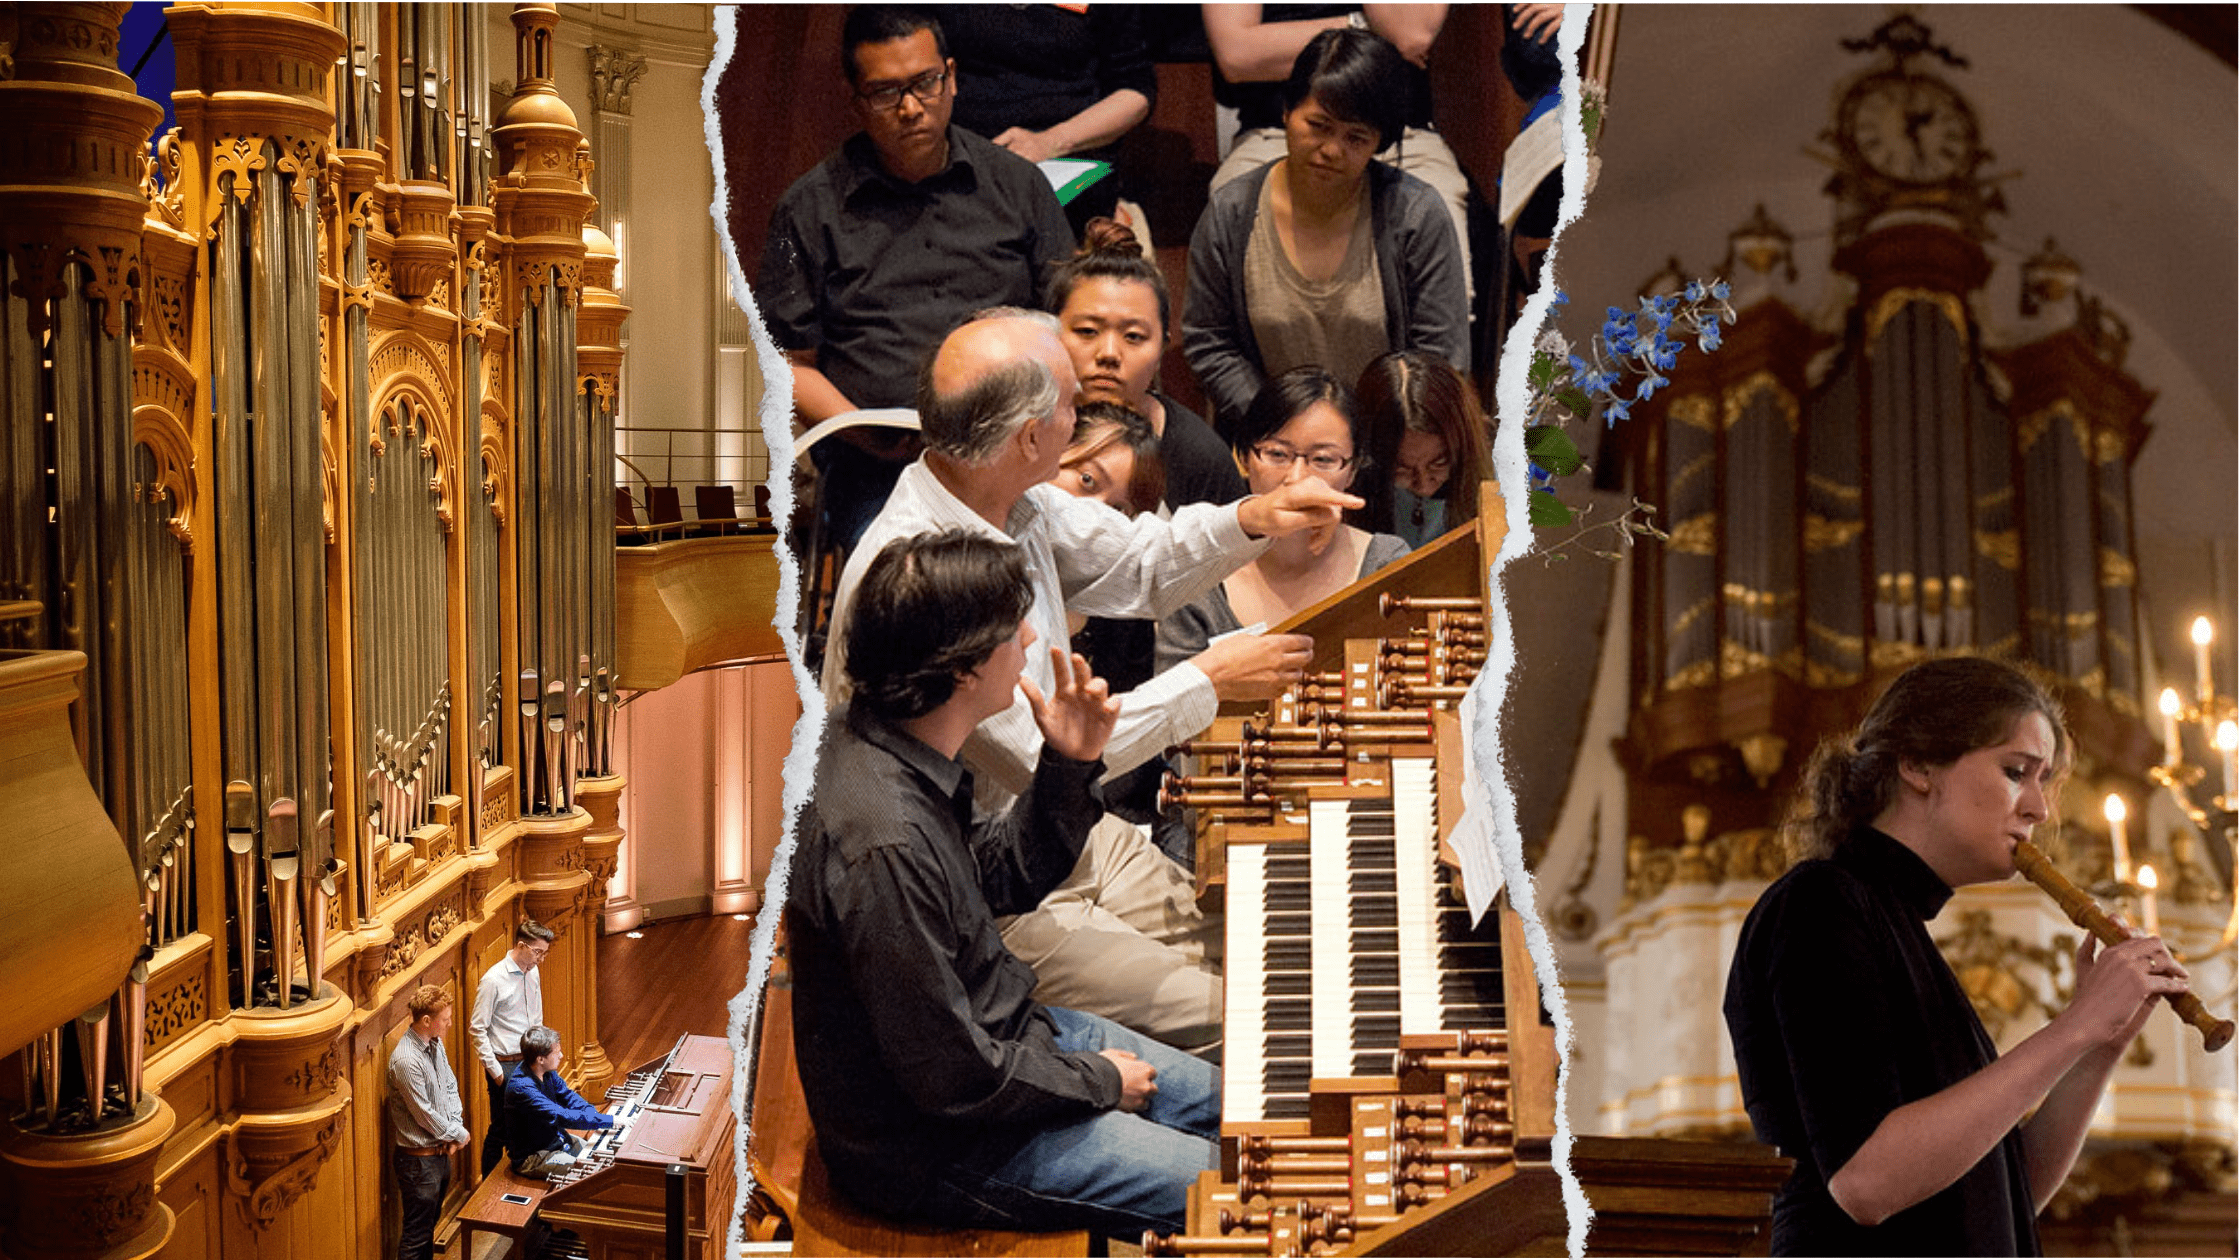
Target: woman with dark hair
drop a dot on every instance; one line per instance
(1324, 256)
(1859, 1054)
(1424, 423)
(1113, 458)
(1113, 316)
(1304, 423)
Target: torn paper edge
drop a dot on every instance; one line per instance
(801, 759)
(1511, 395)
(1509, 468)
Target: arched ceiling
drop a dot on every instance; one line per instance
(2116, 136)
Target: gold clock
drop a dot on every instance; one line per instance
(1909, 128)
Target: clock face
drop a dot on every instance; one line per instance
(1911, 129)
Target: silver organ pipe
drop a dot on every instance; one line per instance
(272, 552)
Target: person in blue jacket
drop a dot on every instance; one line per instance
(540, 1109)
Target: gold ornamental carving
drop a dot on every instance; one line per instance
(266, 1181)
(72, 162)
(1741, 395)
(1836, 490)
(1991, 966)
(1897, 299)
(316, 1075)
(403, 952)
(88, 1194)
(614, 72)
(176, 1008)
(1824, 534)
(1696, 536)
(1701, 466)
(1697, 411)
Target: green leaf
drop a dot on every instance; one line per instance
(1543, 371)
(1547, 510)
(1575, 401)
(1550, 447)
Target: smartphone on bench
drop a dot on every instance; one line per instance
(515, 1198)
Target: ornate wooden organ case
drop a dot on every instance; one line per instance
(308, 433)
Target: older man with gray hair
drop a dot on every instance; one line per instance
(1120, 939)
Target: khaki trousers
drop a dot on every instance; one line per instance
(1123, 938)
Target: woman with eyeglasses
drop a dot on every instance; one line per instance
(1324, 255)
(1304, 423)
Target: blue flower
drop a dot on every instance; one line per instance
(1561, 299)
(1578, 368)
(1721, 291)
(1649, 385)
(1695, 291)
(1618, 409)
(1708, 336)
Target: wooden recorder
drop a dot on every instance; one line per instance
(2087, 914)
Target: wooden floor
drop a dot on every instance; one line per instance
(677, 978)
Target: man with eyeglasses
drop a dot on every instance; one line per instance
(874, 255)
(508, 1003)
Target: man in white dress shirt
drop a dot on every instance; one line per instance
(1121, 937)
(508, 1003)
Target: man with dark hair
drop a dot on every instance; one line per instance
(941, 1091)
(1122, 936)
(427, 1118)
(540, 1108)
(508, 1003)
(882, 248)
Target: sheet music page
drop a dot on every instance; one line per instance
(1472, 839)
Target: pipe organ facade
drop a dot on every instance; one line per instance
(306, 584)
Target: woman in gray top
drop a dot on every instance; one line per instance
(1304, 423)
(1324, 255)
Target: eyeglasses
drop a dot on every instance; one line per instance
(1279, 457)
(926, 87)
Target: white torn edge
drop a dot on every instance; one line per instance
(1511, 395)
(777, 435)
(1509, 468)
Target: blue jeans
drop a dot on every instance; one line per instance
(1119, 1173)
(421, 1180)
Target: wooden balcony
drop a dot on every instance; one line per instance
(693, 604)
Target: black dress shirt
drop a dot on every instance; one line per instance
(1842, 1011)
(871, 272)
(919, 1041)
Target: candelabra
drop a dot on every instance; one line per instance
(2213, 717)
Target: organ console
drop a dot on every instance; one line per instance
(1376, 1041)
(1388, 1074)
(670, 1149)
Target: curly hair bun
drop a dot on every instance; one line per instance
(1106, 235)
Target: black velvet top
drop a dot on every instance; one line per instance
(1841, 1011)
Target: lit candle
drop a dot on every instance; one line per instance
(2171, 753)
(2116, 813)
(2228, 748)
(2204, 682)
(2147, 885)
